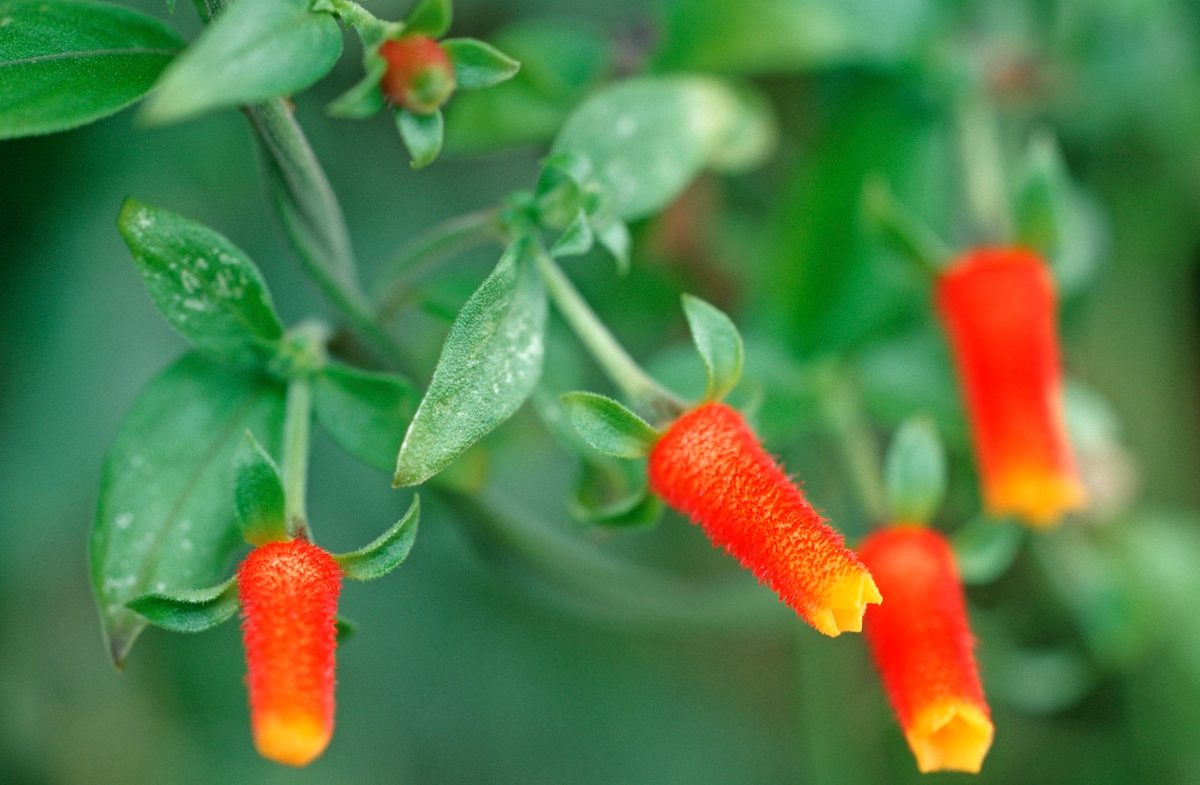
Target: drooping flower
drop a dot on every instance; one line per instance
(419, 75)
(709, 465)
(998, 307)
(923, 648)
(289, 592)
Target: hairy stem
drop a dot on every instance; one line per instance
(297, 428)
(852, 433)
(983, 168)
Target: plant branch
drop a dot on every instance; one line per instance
(983, 167)
(297, 428)
(852, 433)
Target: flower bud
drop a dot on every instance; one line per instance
(709, 465)
(289, 592)
(922, 646)
(998, 307)
(419, 75)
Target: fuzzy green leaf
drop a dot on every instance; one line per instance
(205, 286)
(719, 344)
(478, 65)
(915, 472)
(490, 363)
(255, 50)
(365, 99)
(613, 235)
(258, 495)
(604, 496)
(386, 552)
(608, 425)
(166, 518)
(64, 64)
(188, 610)
(647, 138)
(576, 239)
(422, 135)
(366, 413)
(429, 17)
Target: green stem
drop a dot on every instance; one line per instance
(297, 428)
(625, 373)
(355, 15)
(852, 433)
(434, 246)
(983, 168)
(904, 230)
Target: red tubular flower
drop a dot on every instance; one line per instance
(419, 75)
(710, 465)
(922, 646)
(289, 592)
(998, 306)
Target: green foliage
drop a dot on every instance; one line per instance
(258, 495)
(422, 135)
(647, 138)
(489, 364)
(429, 17)
(915, 472)
(204, 285)
(189, 610)
(366, 413)
(576, 239)
(386, 552)
(608, 425)
(719, 343)
(166, 519)
(254, 51)
(64, 64)
(605, 496)
(478, 65)
(985, 549)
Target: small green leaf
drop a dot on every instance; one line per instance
(478, 65)
(166, 518)
(490, 363)
(386, 552)
(608, 425)
(422, 135)
(206, 287)
(189, 610)
(366, 413)
(429, 17)
(915, 472)
(255, 50)
(648, 137)
(64, 64)
(576, 239)
(258, 495)
(365, 99)
(346, 629)
(602, 497)
(719, 344)
(985, 548)
(613, 235)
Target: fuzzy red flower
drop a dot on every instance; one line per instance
(419, 75)
(289, 593)
(923, 649)
(710, 465)
(998, 307)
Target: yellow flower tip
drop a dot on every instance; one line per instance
(845, 603)
(1038, 498)
(950, 736)
(293, 739)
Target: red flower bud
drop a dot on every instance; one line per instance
(419, 75)
(710, 465)
(998, 306)
(289, 592)
(922, 646)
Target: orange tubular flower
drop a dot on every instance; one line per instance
(289, 592)
(923, 649)
(998, 306)
(710, 465)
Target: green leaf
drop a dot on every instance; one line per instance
(647, 138)
(613, 235)
(608, 425)
(365, 99)
(422, 135)
(915, 472)
(258, 495)
(478, 65)
(719, 344)
(576, 239)
(205, 286)
(490, 363)
(386, 552)
(603, 497)
(901, 230)
(166, 518)
(366, 413)
(255, 50)
(985, 548)
(346, 629)
(64, 64)
(429, 17)
(189, 610)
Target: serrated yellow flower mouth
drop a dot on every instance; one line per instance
(950, 736)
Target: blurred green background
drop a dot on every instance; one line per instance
(544, 651)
